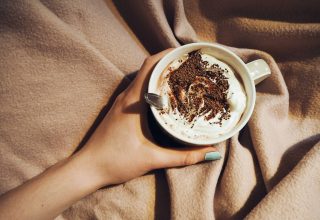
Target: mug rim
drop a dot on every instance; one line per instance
(221, 138)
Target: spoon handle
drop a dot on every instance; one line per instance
(154, 100)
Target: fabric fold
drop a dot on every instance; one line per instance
(62, 62)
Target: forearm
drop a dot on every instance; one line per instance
(47, 195)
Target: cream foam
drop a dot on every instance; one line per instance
(200, 128)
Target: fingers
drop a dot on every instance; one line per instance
(164, 157)
(140, 82)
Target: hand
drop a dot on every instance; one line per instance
(122, 147)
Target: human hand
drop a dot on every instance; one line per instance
(122, 147)
(119, 150)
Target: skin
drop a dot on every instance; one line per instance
(119, 150)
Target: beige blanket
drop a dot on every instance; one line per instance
(61, 62)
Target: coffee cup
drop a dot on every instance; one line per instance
(251, 74)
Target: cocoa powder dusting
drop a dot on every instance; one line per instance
(199, 89)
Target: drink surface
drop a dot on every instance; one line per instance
(204, 97)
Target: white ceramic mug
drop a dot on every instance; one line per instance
(251, 74)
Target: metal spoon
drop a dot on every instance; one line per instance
(154, 100)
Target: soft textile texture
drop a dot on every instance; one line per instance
(61, 62)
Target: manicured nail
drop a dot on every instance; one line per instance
(212, 156)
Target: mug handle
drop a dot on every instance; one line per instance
(259, 70)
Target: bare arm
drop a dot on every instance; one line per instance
(48, 194)
(119, 150)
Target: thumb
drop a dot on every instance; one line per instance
(168, 157)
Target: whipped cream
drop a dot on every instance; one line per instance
(200, 128)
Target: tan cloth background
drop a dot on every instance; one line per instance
(61, 61)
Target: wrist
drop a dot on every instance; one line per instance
(87, 171)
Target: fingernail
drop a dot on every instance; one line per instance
(212, 156)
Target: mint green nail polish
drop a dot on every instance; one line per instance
(212, 156)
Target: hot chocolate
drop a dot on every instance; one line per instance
(204, 97)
